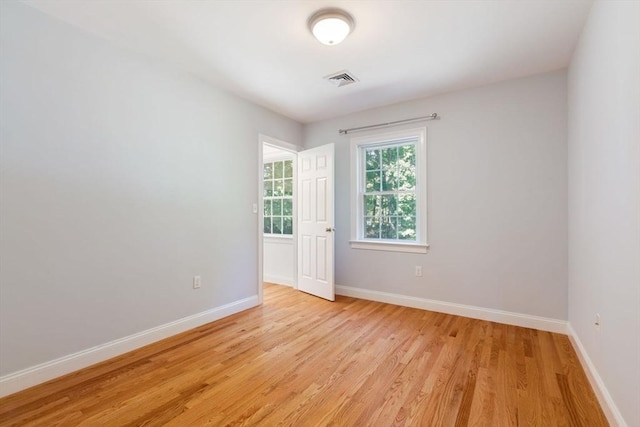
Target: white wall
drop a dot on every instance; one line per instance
(497, 199)
(122, 178)
(279, 260)
(604, 199)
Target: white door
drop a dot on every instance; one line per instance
(315, 222)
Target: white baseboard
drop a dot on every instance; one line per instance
(25, 378)
(604, 398)
(510, 318)
(279, 280)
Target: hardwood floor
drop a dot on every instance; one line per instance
(302, 361)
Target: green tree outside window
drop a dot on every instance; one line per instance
(390, 193)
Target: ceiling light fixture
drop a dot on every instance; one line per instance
(331, 26)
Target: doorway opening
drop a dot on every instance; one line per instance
(296, 244)
(277, 226)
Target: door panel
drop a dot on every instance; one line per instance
(315, 222)
(306, 254)
(321, 197)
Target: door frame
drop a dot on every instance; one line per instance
(292, 148)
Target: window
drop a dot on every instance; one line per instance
(278, 197)
(389, 191)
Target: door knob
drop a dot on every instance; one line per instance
(329, 229)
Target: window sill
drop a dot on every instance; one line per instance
(278, 236)
(416, 248)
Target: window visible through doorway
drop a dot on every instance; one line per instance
(278, 197)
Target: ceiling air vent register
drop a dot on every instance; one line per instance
(341, 78)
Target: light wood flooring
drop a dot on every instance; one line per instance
(302, 361)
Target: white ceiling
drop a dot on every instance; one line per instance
(262, 50)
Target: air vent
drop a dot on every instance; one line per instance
(341, 78)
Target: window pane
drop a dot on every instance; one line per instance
(288, 168)
(287, 225)
(267, 208)
(407, 228)
(407, 167)
(372, 228)
(287, 207)
(406, 178)
(373, 159)
(372, 206)
(407, 155)
(268, 170)
(268, 188)
(288, 187)
(389, 157)
(278, 169)
(389, 180)
(276, 223)
(389, 205)
(373, 181)
(277, 207)
(278, 188)
(407, 205)
(267, 225)
(388, 228)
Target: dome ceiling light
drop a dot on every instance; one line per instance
(331, 26)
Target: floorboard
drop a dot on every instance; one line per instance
(298, 360)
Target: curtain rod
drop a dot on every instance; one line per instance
(433, 116)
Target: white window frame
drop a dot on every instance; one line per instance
(358, 146)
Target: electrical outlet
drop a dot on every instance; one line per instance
(197, 282)
(597, 322)
(418, 271)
